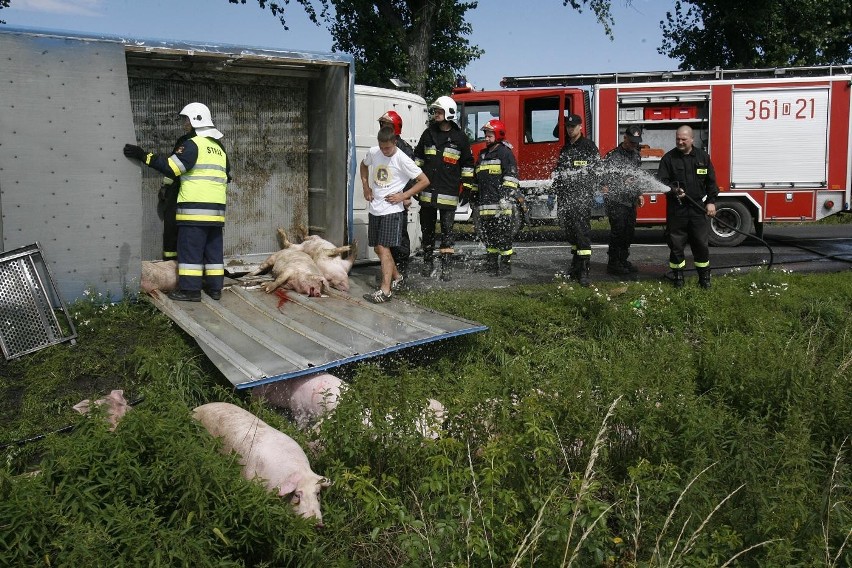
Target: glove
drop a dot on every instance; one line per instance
(135, 152)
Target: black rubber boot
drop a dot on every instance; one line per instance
(677, 278)
(185, 295)
(583, 277)
(615, 265)
(446, 266)
(505, 264)
(491, 266)
(574, 271)
(704, 277)
(428, 264)
(626, 263)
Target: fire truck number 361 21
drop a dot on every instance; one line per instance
(765, 109)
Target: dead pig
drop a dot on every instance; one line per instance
(329, 258)
(266, 453)
(294, 270)
(308, 398)
(116, 407)
(159, 275)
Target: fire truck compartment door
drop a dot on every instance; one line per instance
(779, 137)
(256, 338)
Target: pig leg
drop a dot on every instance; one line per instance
(283, 239)
(267, 264)
(302, 232)
(280, 280)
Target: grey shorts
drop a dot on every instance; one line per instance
(384, 229)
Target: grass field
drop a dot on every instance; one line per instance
(619, 425)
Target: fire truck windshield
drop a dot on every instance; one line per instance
(475, 115)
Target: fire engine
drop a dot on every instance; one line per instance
(779, 138)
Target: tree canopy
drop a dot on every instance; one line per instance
(703, 34)
(413, 40)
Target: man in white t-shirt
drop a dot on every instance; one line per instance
(384, 175)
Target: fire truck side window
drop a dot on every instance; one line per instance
(541, 118)
(475, 115)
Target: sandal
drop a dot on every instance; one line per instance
(378, 297)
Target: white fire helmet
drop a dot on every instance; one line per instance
(198, 115)
(448, 105)
(200, 119)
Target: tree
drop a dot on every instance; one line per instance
(3, 4)
(409, 39)
(704, 34)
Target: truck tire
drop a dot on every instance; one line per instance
(734, 215)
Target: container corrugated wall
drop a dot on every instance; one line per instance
(265, 124)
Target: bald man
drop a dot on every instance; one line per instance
(689, 206)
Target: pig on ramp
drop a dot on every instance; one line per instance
(329, 258)
(294, 270)
(308, 398)
(266, 453)
(159, 275)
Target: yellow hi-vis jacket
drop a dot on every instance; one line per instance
(201, 199)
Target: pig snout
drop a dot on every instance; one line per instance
(305, 499)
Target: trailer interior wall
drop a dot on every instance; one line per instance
(64, 183)
(286, 133)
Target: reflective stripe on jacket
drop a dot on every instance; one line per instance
(496, 181)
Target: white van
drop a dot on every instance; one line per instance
(370, 104)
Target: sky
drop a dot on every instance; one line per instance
(520, 37)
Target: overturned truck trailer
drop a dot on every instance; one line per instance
(68, 104)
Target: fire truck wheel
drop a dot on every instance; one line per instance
(734, 215)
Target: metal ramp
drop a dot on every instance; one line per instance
(256, 338)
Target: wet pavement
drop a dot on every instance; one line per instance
(541, 258)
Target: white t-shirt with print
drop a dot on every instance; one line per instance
(388, 176)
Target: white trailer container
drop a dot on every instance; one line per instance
(68, 104)
(370, 104)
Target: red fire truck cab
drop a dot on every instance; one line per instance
(779, 138)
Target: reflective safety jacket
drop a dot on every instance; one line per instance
(496, 184)
(445, 158)
(202, 166)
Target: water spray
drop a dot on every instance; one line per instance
(632, 182)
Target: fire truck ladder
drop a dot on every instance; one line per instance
(668, 76)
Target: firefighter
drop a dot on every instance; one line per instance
(689, 206)
(622, 197)
(202, 165)
(574, 185)
(167, 204)
(401, 253)
(495, 190)
(443, 153)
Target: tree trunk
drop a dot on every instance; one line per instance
(424, 14)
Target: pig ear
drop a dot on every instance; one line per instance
(289, 485)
